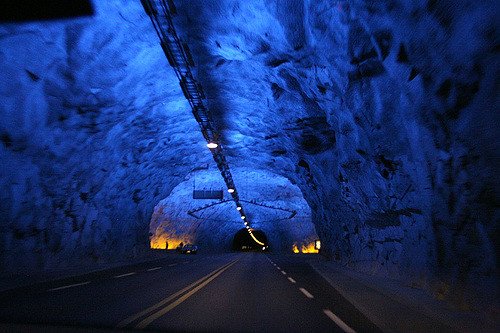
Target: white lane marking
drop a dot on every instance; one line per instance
(283, 272)
(185, 262)
(69, 286)
(278, 267)
(153, 269)
(338, 321)
(305, 292)
(291, 280)
(171, 265)
(123, 275)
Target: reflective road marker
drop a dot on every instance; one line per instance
(305, 292)
(153, 269)
(338, 321)
(69, 286)
(123, 275)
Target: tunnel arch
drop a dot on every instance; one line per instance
(407, 172)
(242, 241)
(214, 227)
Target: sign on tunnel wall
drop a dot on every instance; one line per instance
(208, 194)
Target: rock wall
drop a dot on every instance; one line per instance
(87, 113)
(381, 112)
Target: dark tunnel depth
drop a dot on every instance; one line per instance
(242, 241)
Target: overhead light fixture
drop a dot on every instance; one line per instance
(238, 208)
(242, 217)
(246, 223)
(212, 145)
(230, 190)
(247, 227)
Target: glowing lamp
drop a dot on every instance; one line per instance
(242, 217)
(256, 240)
(317, 244)
(212, 145)
(231, 190)
(238, 208)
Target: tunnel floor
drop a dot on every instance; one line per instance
(213, 292)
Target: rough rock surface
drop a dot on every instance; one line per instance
(382, 113)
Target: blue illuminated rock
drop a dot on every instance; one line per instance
(382, 114)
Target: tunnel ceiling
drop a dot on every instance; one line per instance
(380, 113)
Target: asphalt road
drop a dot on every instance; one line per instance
(240, 292)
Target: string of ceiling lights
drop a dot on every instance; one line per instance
(179, 57)
(292, 212)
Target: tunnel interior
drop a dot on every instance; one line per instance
(273, 204)
(242, 241)
(374, 121)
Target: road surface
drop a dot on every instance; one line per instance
(237, 292)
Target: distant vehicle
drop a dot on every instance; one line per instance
(189, 248)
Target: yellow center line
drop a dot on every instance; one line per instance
(133, 318)
(163, 311)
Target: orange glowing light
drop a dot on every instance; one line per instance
(308, 248)
(158, 242)
(163, 241)
(174, 242)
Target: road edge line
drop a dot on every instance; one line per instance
(358, 306)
